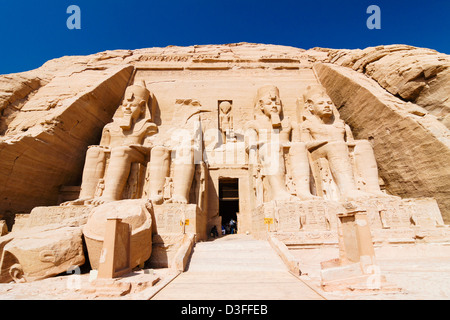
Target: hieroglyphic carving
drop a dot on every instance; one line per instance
(164, 58)
(391, 219)
(394, 213)
(176, 218)
(425, 213)
(301, 216)
(169, 220)
(286, 217)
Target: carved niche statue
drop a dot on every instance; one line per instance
(328, 137)
(226, 122)
(268, 136)
(123, 143)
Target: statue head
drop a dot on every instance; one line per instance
(318, 102)
(268, 100)
(225, 106)
(269, 103)
(134, 104)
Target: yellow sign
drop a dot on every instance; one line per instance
(186, 222)
(268, 220)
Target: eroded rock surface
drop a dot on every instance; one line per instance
(417, 75)
(50, 115)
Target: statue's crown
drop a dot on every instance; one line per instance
(139, 91)
(265, 90)
(313, 91)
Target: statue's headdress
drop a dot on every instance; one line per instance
(267, 90)
(302, 103)
(313, 91)
(139, 91)
(271, 90)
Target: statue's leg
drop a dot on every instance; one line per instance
(300, 170)
(272, 160)
(367, 166)
(224, 136)
(183, 173)
(342, 170)
(118, 171)
(159, 170)
(94, 169)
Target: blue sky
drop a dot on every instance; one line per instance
(33, 32)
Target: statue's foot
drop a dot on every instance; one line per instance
(157, 199)
(97, 201)
(78, 202)
(308, 196)
(177, 199)
(285, 196)
(380, 194)
(357, 195)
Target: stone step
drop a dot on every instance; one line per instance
(236, 267)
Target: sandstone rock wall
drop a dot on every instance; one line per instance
(44, 145)
(50, 115)
(418, 75)
(412, 151)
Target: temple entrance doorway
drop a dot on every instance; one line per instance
(229, 204)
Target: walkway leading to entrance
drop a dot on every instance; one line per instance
(236, 267)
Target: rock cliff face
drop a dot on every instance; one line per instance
(417, 75)
(395, 96)
(48, 122)
(412, 150)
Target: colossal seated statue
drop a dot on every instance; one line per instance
(175, 154)
(132, 138)
(328, 137)
(122, 143)
(268, 137)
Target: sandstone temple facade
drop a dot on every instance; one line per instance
(162, 145)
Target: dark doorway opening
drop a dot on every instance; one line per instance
(229, 204)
